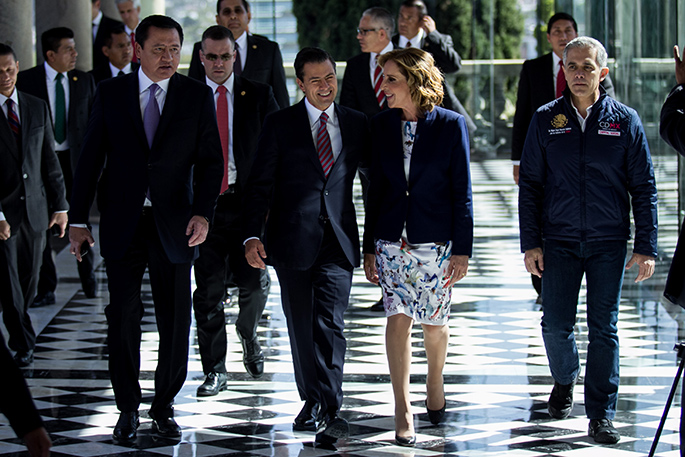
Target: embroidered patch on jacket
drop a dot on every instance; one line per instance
(559, 123)
(609, 128)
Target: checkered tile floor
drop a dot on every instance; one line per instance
(496, 378)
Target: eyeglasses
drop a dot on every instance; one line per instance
(363, 32)
(213, 57)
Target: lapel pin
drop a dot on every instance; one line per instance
(254, 46)
(75, 78)
(242, 93)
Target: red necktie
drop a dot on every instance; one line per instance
(134, 59)
(222, 119)
(377, 80)
(323, 145)
(561, 80)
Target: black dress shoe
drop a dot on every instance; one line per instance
(405, 441)
(127, 425)
(48, 298)
(214, 383)
(331, 428)
(306, 420)
(166, 427)
(90, 288)
(253, 358)
(24, 358)
(436, 416)
(603, 431)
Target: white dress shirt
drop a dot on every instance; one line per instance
(115, 71)
(229, 85)
(415, 41)
(333, 126)
(555, 71)
(96, 23)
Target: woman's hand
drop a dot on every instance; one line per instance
(370, 268)
(456, 270)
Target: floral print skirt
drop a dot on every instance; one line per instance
(412, 277)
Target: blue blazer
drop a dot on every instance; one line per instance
(288, 185)
(436, 202)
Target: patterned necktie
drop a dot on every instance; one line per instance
(13, 120)
(238, 64)
(60, 111)
(323, 145)
(408, 44)
(222, 120)
(377, 80)
(151, 115)
(561, 81)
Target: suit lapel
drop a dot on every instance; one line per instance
(252, 52)
(6, 133)
(548, 80)
(171, 104)
(42, 85)
(132, 93)
(241, 100)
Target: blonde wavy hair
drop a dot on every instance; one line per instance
(423, 77)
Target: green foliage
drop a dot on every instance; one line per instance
(545, 10)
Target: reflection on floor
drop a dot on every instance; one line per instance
(496, 379)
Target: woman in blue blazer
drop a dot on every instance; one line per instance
(418, 231)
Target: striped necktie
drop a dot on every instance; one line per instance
(377, 81)
(13, 120)
(323, 145)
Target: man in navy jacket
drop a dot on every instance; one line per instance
(585, 160)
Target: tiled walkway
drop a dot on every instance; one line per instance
(496, 378)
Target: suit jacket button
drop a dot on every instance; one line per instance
(26, 176)
(22, 198)
(407, 193)
(325, 192)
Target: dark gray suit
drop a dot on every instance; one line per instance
(31, 189)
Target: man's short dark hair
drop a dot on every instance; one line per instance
(561, 17)
(159, 21)
(244, 2)
(418, 4)
(310, 55)
(114, 30)
(51, 39)
(6, 50)
(217, 33)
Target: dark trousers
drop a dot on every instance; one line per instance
(171, 296)
(314, 302)
(47, 281)
(20, 258)
(223, 249)
(603, 265)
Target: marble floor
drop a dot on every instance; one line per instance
(496, 379)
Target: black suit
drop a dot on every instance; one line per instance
(31, 189)
(106, 24)
(263, 64)
(105, 72)
(182, 172)
(357, 88)
(536, 88)
(447, 59)
(311, 239)
(81, 94)
(224, 245)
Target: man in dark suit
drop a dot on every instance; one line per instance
(69, 94)
(101, 27)
(241, 107)
(308, 155)
(361, 85)
(119, 52)
(257, 58)
(156, 196)
(32, 199)
(129, 10)
(542, 80)
(417, 29)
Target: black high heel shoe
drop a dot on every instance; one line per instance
(405, 441)
(436, 416)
